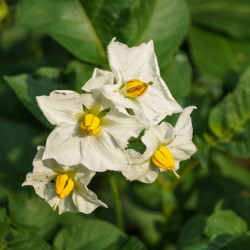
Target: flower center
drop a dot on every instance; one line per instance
(64, 185)
(163, 158)
(90, 125)
(136, 87)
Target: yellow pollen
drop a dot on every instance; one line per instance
(90, 125)
(136, 87)
(64, 185)
(163, 158)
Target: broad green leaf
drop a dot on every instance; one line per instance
(93, 234)
(11, 108)
(229, 16)
(27, 210)
(28, 241)
(196, 246)
(237, 243)
(231, 168)
(18, 147)
(27, 87)
(86, 28)
(193, 230)
(46, 80)
(225, 222)
(232, 114)
(177, 76)
(164, 21)
(4, 231)
(77, 74)
(216, 56)
(65, 21)
(166, 25)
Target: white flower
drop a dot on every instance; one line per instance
(63, 186)
(166, 147)
(89, 130)
(138, 84)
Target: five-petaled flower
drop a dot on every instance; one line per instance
(61, 186)
(166, 147)
(89, 130)
(138, 85)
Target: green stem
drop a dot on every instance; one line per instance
(117, 201)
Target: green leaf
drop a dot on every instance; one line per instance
(225, 222)
(4, 231)
(66, 22)
(231, 169)
(177, 76)
(86, 28)
(78, 74)
(231, 115)
(29, 211)
(229, 16)
(28, 241)
(193, 230)
(238, 243)
(19, 147)
(164, 21)
(46, 80)
(27, 87)
(216, 56)
(93, 234)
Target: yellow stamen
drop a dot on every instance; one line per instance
(90, 125)
(64, 185)
(136, 87)
(163, 158)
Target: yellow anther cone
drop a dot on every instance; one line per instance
(136, 87)
(163, 158)
(64, 185)
(90, 125)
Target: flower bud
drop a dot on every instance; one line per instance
(90, 125)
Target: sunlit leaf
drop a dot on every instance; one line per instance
(229, 16)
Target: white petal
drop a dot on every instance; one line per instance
(84, 175)
(157, 135)
(85, 200)
(156, 104)
(132, 63)
(64, 145)
(182, 146)
(121, 103)
(98, 80)
(61, 107)
(101, 152)
(144, 171)
(183, 126)
(66, 204)
(121, 127)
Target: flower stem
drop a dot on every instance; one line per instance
(117, 201)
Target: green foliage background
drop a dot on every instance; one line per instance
(203, 49)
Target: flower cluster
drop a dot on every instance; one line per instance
(92, 130)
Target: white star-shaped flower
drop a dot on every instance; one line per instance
(89, 130)
(138, 85)
(166, 147)
(61, 186)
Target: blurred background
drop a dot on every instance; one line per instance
(203, 50)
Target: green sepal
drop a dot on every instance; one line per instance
(103, 112)
(85, 110)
